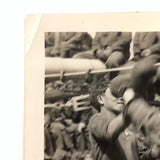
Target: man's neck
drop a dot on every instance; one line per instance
(107, 111)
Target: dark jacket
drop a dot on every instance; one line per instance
(146, 40)
(116, 40)
(49, 39)
(104, 148)
(71, 41)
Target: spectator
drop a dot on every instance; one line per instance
(49, 39)
(110, 47)
(48, 145)
(68, 44)
(49, 42)
(146, 44)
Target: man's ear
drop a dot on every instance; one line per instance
(100, 99)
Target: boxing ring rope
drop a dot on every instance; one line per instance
(82, 74)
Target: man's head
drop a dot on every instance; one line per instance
(112, 98)
(111, 103)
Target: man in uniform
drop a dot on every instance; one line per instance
(146, 150)
(146, 44)
(106, 128)
(110, 47)
(67, 44)
(107, 136)
(49, 42)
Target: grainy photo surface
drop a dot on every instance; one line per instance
(102, 95)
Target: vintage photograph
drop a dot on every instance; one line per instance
(102, 95)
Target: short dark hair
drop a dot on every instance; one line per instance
(97, 87)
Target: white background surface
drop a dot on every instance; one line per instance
(12, 52)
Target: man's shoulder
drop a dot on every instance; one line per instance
(98, 125)
(104, 114)
(95, 116)
(97, 119)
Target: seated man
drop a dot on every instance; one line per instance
(49, 39)
(67, 44)
(110, 47)
(59, 141)
(49, 42)
(146, 44)
(48, 145)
